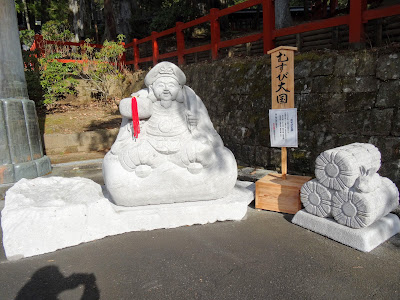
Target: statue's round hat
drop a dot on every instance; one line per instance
(165, 69)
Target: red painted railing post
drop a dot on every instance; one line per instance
(215, 32)
(135, 54)
(268, 24)
(122, 59)
(155, 47)
(180, 43)
(38, 44)
(356, 26)
(83, 49)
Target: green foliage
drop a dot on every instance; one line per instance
(57, 31)
(32, 76)
(49, 10)
(18, 6)
(171, 11)
(102, 69)
(26, 37)
(57, 79)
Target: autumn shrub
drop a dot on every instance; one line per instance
(102, 68)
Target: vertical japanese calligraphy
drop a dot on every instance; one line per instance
(282, 81)
(283, 116)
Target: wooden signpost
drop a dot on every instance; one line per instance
(281, 192)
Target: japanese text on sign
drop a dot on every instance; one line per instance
(283, 127)
(282, 77)
(282, 96)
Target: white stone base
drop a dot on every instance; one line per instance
(364, 239)
(45, 214)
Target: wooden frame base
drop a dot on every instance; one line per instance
(278, 194)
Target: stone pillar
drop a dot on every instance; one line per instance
(21, 152)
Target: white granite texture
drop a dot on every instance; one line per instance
(177, 157)
(349, 207)
(339, 168)
(365, 239)
(350, 195)
(45, 214)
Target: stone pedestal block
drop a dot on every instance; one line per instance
(22, 152)
(45, 214)
(364, 239)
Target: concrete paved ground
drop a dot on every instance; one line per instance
(261, 257)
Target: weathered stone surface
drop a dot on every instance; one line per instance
(333, 102)
(388, 66)
(324, 141)
(263, 156)
(360, 84)
(346, 66)
(367, 64)
(389, 94)
(359, 101)
(391, 169)
(323, 67)
(345, 139)
(396, 123)
(349, 122)
(249, 154)
(46, 214)
(379, 122)
(335, 106)
(321, 102)
(327, 84)
(304, 138)
(303, 85)
(389, 147)
(300, 160)
(302, 69)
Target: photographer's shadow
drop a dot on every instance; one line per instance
(48, 283)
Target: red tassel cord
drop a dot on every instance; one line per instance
(135, 118)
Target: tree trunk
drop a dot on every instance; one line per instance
(283, 17)
(74, 7)
(28, 25)
(123, 16)
(110, 32)
(84, 18)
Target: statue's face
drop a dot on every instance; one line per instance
(166, 90)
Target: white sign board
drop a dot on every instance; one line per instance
(283, 127)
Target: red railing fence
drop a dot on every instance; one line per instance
(355, 20)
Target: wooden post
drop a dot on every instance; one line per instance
(284, 162)
(281, 192)
(122, 60)
(356, 25)
(268, 24)
(282, 86)
(155, 47)
(215, 32)
(136, 54)
(39, 44)
(180, 43)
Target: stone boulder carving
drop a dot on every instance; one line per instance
(348, 191)
(178, 156)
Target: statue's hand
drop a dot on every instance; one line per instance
(192, 120)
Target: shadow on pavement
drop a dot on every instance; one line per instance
(48, 282)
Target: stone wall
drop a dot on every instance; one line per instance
(341, 98)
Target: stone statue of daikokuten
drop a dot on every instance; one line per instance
(178, 156)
